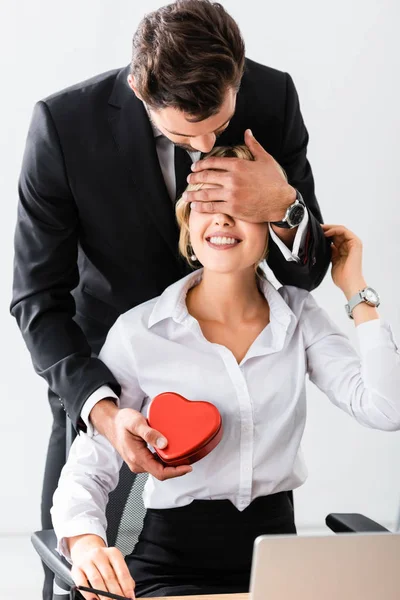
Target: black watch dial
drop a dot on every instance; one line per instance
(296, 215)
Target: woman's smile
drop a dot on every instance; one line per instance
(222, 241)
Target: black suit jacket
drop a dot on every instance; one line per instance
(96, 232)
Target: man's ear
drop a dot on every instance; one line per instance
(132, 85)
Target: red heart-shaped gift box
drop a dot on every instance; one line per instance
(192, 427)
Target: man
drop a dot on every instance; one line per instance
(96, 233)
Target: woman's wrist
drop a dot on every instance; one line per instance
(362, 312)
(353, 286)
(84, 542)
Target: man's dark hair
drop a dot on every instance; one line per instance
(185, 55)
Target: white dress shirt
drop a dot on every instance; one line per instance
(158, 347)
(166, 155)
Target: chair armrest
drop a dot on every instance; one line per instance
(45, 543)
(352, 523)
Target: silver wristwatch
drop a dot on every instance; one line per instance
(367, 295)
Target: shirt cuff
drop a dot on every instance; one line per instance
(100, 394)
(80, 527)
(375, 333)
(293, 254)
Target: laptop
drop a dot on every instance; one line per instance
(362, 566)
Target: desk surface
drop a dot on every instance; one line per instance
(208, 597)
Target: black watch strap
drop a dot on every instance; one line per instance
(285, 224)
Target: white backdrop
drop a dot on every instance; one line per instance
(344, 58)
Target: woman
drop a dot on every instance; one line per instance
(226, 335)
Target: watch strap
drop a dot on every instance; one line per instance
(284, 223)
(357, 299)
(352, 303)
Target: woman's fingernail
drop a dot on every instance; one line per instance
(161, 443)
(193, 205)
(193, 166)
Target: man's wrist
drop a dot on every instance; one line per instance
(286, 235)
(289, 196)
(102, 414)
(286, 197)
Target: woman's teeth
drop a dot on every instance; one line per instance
(223, 240)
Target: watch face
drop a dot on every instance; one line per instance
(296, 215)
(371, 296)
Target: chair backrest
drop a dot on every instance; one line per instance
(125, 510)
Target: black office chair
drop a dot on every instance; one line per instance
(125, 513)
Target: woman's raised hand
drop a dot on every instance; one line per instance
(96, 566)
(346, 259)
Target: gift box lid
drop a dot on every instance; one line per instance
(188, 425)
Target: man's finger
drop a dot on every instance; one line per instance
(150, 436)
(209, 176)
(152, 464)
(171, 472)
(207, 207)
(206, 195)
(223, 163)
(254, 146)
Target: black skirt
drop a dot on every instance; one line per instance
(204, 547)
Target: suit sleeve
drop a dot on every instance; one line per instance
(315, 253)
(45, 272)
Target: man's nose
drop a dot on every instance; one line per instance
(204, 143)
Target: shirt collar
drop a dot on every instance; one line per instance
(172, 305)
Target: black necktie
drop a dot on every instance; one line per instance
(183, 162)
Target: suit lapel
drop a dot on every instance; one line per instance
(134, 138)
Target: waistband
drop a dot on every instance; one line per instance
(264, 507)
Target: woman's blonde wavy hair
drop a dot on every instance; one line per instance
(182, 208)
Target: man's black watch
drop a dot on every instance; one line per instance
(294, 214)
